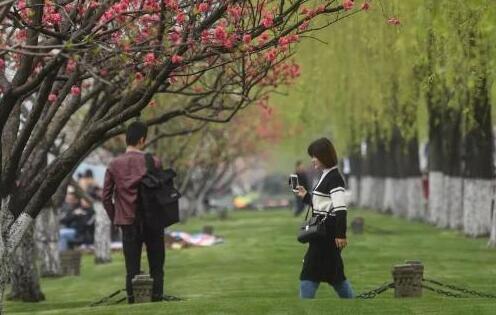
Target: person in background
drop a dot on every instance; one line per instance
(87, 180)
(79, 225)
(303, 181)
(323, 262)
(67, 234)
(70, 203)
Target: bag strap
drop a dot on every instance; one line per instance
(150, 162)
(308, 210)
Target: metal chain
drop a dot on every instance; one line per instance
(107, 298)
(375, 292)
(463, 290)
(442, 292)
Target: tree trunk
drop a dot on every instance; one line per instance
(452, 166)
(378, 169)
(200, 208)
(355, 177)
(436, 202)
(184, 208)
(389, 192)
(477, 206)
(103, 252)
(415, 197)
(479, 167)
(415, 205)
(5, 219)
(354, 186)
(453, 187)
(47, 243)
(492, 238)
(25, 278)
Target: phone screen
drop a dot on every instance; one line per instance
(294, 182)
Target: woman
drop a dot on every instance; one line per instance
(323, 262)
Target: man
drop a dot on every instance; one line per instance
(303, 181)
(120, 199)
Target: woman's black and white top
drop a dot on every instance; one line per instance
(328, 199)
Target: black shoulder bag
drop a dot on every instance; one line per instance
(159, 198)
(311, 229)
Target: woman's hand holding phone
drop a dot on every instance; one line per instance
(301, 191)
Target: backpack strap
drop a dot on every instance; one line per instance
(150, 162)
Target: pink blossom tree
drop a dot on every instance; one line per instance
(91, 66)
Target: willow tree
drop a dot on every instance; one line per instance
(460, 132)
(427, 77)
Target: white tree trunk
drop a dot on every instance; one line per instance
(389, 191)
(453, 215)
(400, 197)
(378, 192)
(366, 192)
(436, 197)
(415, 197)
(200, 209)
(25, 279)
(47, 243)
(492, 238)
(184, 208)
(11, 238)
(103, 252)
(477, 199)
(5, 219)
(354, 186)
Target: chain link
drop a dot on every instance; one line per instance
(375, 292)
(442, 292)
(107, 298)
(459, 289)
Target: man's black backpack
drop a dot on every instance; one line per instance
(159, 199)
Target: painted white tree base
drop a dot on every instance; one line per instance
(366, 192)
(477, 199)
(492, 238)
(401, 197)
(47, 243)
(389, 191)
(103, 252)
(378, 185)
(436, 197)
(452, 217)
(354, 186)
(5, 219)
(415, 196)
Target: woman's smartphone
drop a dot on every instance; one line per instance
(293, 179)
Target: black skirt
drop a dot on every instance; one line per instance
(323, 262)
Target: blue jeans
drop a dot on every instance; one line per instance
(308, 289)
(65, 236)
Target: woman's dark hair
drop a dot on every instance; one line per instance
(324, 151)
(135, 131)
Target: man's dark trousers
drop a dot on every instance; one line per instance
(133, 237)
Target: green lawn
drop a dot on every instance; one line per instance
(256, 272)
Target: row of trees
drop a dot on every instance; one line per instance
(424, 76)
(85, 68)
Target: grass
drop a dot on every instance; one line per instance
(256, 272)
